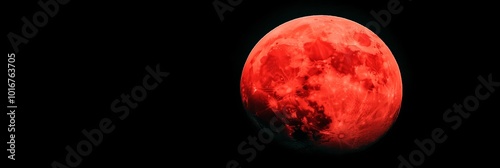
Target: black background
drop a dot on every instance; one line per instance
(92, 51)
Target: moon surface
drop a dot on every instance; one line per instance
(335, 83)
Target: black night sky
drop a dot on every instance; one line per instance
(91, 54)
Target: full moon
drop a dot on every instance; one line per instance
(329, 82)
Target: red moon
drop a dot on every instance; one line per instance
(334, 81)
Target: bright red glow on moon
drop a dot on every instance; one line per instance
(334, 80)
